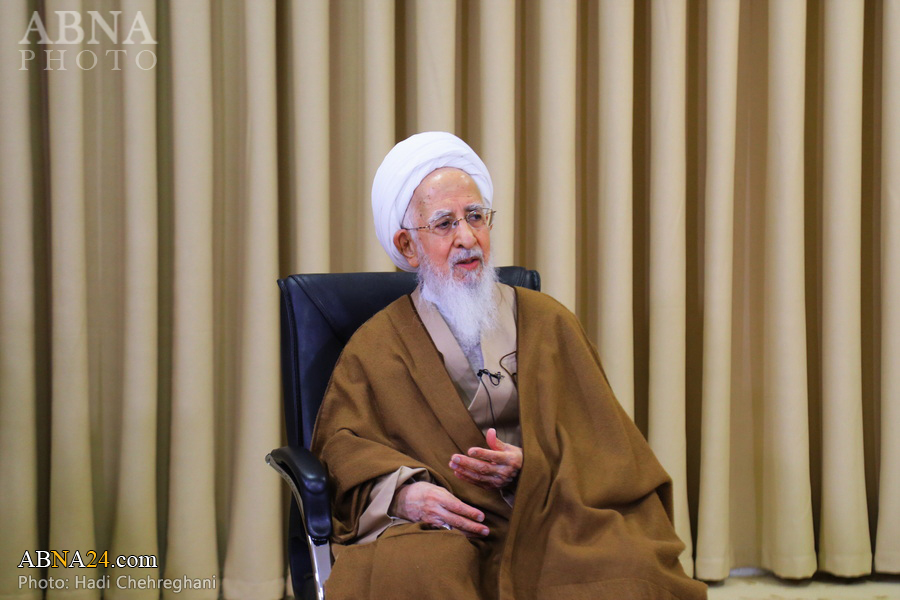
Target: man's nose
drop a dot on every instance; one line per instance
(465, 236)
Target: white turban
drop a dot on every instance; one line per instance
(404, 168)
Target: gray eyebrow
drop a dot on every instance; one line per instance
(440, 214)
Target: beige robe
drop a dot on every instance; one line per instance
(592, 514)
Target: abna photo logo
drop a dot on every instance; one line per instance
(71, 31)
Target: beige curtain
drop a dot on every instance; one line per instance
(712, 185)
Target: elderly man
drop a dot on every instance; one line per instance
(475, 446)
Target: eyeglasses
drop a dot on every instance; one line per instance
(477, 219)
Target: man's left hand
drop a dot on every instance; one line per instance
(492, 468)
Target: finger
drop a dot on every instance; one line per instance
(471, 535)
(465, 517)
(463, 523)
(493, 442)
(438, 507)
(477, 465)
(458, 507)
(511, 455)
(493, 456)
(487, 470)
(467, 526)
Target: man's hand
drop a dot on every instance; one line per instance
(425, 502)
(491, 469)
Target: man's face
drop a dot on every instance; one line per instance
(462, 253)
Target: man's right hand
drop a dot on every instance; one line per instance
(424, 502)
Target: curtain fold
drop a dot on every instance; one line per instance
(697, 179)
(887, 549)
(844, 543)
(71, 490)
(135, 528)
(714, 556)
(18, 394)
(253, 568)
(192, 549)
(493, 134)
(434, 57)
(787, 536)
(668, 253)
(310, 173)
(552, 164)
(379, 117)
(613, 273)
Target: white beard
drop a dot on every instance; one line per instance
(467, 305)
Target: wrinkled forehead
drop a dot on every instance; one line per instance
(445, 189)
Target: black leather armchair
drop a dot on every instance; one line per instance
(319, 314)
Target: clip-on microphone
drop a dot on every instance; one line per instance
(495, 377)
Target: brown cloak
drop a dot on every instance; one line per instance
(592, 516)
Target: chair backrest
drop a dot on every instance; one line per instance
(319, 314)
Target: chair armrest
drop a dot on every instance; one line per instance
(309, 483)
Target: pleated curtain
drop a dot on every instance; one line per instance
(713, 186)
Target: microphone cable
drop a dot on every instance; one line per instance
(494, 378)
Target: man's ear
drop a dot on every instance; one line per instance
(404, 243)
